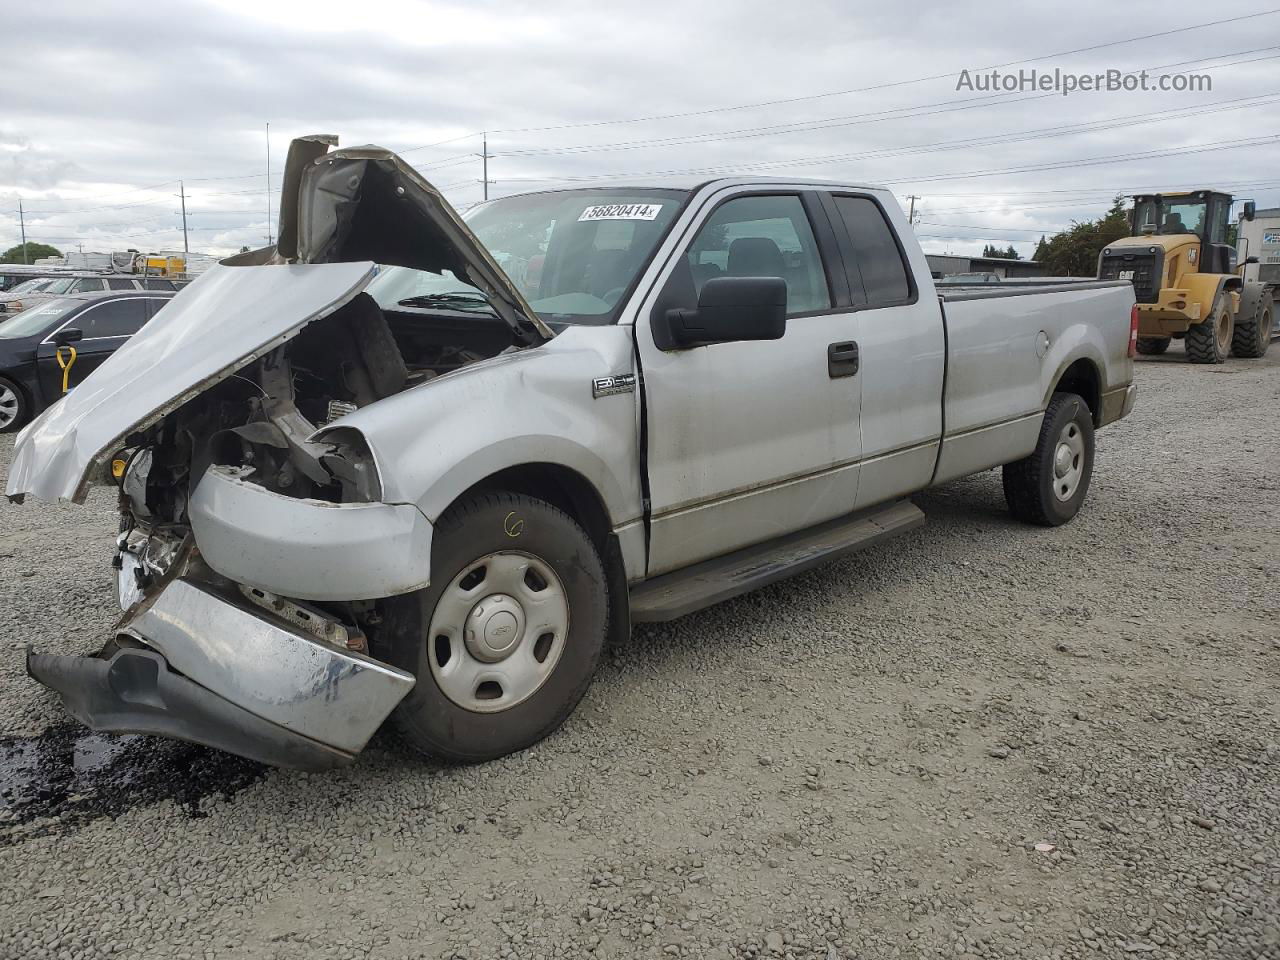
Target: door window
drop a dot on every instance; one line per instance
(119, 283)
(155, 283)
(884, 275)
(86, 285)
(761, 237)
(116, 318)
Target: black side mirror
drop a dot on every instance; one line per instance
(68, 335)
(1249, 260)
(730, 309)
(1250, 210)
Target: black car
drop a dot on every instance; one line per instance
(95, 324)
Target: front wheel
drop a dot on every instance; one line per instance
(1210, 341)
(13, 406)
(505, 641)
(1048, 487)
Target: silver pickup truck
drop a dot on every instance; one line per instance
(412, 465)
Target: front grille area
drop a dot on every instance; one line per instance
(1146, 272)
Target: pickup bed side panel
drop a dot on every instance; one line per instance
(1008, 350)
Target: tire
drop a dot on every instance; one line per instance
(1151, 346)
(1210, 341)
(1048, 487)
(508, 571)
(14, 407)
(1252, 334)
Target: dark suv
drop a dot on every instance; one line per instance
(95, 324)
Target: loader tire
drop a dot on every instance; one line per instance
(1151, 346)
(1210, 341)
(1252, 334)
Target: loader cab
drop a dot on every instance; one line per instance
(1201, 213)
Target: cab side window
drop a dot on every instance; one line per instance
(116, 318)
(876, 257)
(766, 236)
(87, 285)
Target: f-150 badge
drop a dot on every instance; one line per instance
(607, 386)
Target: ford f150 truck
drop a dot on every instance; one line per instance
(407, 465)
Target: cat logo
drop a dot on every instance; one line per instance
(608, 386)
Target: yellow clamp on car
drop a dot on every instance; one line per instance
(65, 364)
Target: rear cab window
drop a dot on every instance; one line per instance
(874, 261)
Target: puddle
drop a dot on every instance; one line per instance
(73, 774)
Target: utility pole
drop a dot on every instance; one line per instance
(269, 239)
(182, 192)
(911, 214)
(484, 157)
(23, 223)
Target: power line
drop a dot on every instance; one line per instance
(895, 83)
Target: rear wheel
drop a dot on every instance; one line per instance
(1253, 326)
(13, 406)
(1048, 487)
(505, 641)
(1210, 341)
(1153, 345)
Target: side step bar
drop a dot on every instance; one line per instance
(674, 594)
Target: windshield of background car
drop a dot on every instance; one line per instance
(574, 254)
(27, 286)
(37, 319)
(403, 287)
(61, 285)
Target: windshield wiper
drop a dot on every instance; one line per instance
(460, 300)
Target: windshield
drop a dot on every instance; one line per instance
(60, 285)
(402, 287)
(1168, 217)
(28, 286)
(574, 254)
(37, 319)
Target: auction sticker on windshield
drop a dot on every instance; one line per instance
(622, 211)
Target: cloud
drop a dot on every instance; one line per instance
(113, 111)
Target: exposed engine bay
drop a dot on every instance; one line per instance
(258, 421)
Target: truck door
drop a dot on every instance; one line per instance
(105, 326)
(902, 344)
(747, 441)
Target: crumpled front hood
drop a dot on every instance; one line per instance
(213, 327)
(340, 214)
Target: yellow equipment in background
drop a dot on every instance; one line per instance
(1186, 278)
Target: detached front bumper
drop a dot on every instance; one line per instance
(215, 671)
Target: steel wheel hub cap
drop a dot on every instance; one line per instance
(494, 628)
(1068, 462)
(498, 631)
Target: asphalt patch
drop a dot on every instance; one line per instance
(69, 775)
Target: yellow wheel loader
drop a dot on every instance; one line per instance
(1187, 280)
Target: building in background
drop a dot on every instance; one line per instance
(1263, 235)
(945, 264)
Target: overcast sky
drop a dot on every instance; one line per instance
(108, 105)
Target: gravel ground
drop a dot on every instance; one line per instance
(980, 740)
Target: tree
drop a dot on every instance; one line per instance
(34, 252)
(1007, 254)
(1074, 252)
(1042, 249)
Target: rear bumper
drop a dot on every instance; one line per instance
(1117, 404)
(215, 671)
